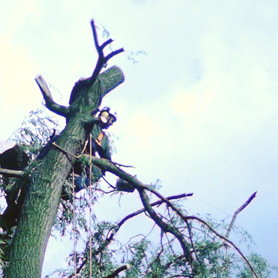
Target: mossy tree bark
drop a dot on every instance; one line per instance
(42, 198)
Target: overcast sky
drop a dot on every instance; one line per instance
(198, 111)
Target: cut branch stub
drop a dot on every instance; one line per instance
(87, 93)
(49, 102)
(87, 97)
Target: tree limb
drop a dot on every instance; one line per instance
(166, 228)
(102, 60)
(118, 226)
(157, 203)
(15, 173)
(117, 271)
(238, 211)
(49, 102)
(108, 166)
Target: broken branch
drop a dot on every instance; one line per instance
(49, 103)
(238, 211)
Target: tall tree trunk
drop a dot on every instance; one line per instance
(43, 196)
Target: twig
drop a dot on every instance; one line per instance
(233, 222)
(122, 165)
(108, 182)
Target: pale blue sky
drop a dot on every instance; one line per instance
(199, 111)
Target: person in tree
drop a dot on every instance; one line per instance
(100, 146)
(16, 159)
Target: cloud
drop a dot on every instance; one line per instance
(18, 88)
(14, 15)
(193, 101)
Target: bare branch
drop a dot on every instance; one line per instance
(106, 43)
(112, 54)
(95, 36)
(238, 211)
(122, 165)
(49, 103)
(102, 60)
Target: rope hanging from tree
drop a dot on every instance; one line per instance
(90, 207)
(90, 210)
(74, 227)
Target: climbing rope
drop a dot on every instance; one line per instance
(73, 207)
(90, 207)
(74, 226)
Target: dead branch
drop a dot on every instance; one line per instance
(102, 60)
(238, 211)
(49, 102)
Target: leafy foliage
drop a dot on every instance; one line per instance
(35, 131)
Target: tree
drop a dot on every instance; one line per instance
(189, 246)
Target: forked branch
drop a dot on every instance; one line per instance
(102, 59)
